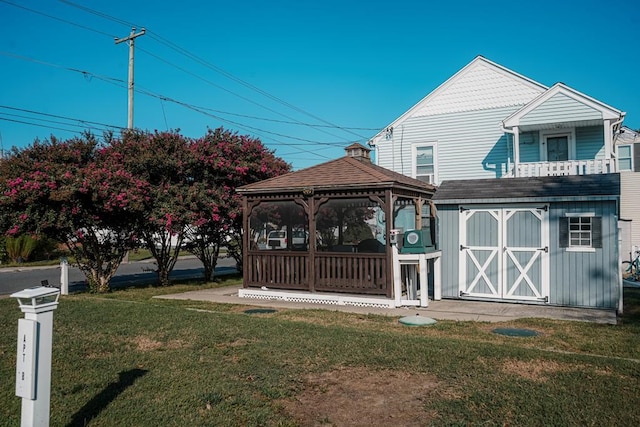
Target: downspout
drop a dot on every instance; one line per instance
(613, 153)
(516, 146)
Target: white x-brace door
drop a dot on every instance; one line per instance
(504, 252)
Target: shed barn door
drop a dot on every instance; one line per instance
(504, 253)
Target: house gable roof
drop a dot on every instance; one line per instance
(564, 104)
(628, 136)
(481, 84)
(342, 173)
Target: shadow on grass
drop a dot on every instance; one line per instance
(100, 401)
(631, 313)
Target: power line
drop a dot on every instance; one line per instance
(84, 27)
(36, 124)
(119, 82)
(292, 122)
(201, 110)
(24, 110)
(213, 67)
(245, 83)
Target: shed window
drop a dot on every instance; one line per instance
(581, 232)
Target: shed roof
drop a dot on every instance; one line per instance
(343, 173)
(534, 189)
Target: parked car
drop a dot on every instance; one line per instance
(277, 239)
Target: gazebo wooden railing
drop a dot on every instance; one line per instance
(364, 273)
(358, 272)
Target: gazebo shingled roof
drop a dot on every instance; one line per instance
(345, 172)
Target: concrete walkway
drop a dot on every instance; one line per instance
(440, 310)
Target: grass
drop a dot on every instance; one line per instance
(125, 359)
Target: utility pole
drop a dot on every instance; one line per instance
(131, 39)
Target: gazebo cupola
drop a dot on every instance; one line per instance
(358, 152)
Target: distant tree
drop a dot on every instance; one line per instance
(222, 161)
(160, 159)
(19, 248)
(338, 223)
(74, 192)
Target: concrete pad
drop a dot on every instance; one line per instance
(447, 309)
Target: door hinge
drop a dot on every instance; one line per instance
(462, 248)
(546, 249)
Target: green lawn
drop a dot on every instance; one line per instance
(125, 359)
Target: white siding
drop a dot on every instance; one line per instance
(469, 144)
(629, 206)
(560, 108)
(480, 87)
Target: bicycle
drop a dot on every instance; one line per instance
(632, 267)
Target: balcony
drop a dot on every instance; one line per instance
(567, 167)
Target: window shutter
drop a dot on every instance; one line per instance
(564, 232)
(636, 156)
(596, 231)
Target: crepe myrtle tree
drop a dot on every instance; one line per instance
(161, 159)
(222, 161)
(74, 192)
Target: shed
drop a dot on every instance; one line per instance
(544, 240)
(327, 228)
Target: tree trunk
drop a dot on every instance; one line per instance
(164, 253)
(98, 260)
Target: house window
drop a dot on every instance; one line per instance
(581, 232)
(424, 162)
(625, 158)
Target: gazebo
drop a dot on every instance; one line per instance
(328, 228)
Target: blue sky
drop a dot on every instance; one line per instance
(307, 78)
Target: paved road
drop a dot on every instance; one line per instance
(16, 279)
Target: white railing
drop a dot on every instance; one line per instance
(568, 167)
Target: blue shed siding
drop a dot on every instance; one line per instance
(449, 243)
(584, 279)
(578, 279)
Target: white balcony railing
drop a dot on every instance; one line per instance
(568, 167)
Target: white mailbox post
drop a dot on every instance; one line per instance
(33, 364)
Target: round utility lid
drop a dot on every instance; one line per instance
(417, 320)
(515, 332)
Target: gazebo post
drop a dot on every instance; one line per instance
(311, 259)
(246, 239)
(388, 198)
